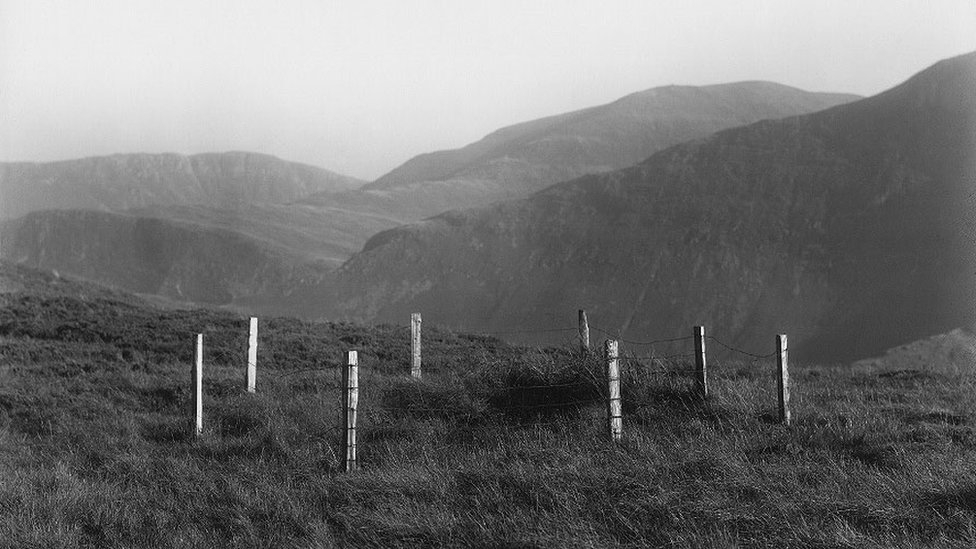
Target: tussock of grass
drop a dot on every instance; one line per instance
(496, 446)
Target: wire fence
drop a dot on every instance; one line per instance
(464, 376)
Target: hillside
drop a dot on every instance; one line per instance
(125, 181)
(174, 260)
(515, 161)
(851, 229)
(496, 446)
(321, 234)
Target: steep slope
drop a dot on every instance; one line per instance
(851, 229)
(517, 160)
(125, 181)
(178, 261)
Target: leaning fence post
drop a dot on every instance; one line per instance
(584, 333)
(614, 408)
(196, 378)
(252, 355)
(783, 379)
(350, 384)
(415, 345)
(701, 365)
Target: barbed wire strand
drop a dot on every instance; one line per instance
(740, 351)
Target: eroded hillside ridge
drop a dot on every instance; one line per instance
(851, 229)
(125, 181)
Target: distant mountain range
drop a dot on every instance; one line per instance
(852, 229)
(243, 227)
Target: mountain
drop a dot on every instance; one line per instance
(851, 229)
(517, 160)
(311, 219)
(161, 257)
(125, 181)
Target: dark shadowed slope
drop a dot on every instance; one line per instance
(124, 181)
(851, 229)
(517, 160)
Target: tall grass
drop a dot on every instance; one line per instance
(497, 446)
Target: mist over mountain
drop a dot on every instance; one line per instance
(850, 229)
(124, 181)
(517, 160)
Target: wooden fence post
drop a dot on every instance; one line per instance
(252, 355)
(783, 379)
(614, 407)
(584, 333)
(701, 365)
(415, 345)
(350, 383)
(196, 378)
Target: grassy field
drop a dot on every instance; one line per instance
(498, 446)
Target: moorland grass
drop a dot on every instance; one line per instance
(497, 446)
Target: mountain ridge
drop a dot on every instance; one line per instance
(661, 99)
(516, 160)
(125, 181)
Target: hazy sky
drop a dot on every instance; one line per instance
(360, 86)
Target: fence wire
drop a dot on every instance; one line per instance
(293, 356)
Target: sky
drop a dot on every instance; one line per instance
(360, 86)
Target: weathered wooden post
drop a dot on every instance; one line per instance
(614, 407)
(701, 365)
(252, 355)
(584, 333)
(415, 345)
(350, 383)
(783, 379)
(196, 378)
